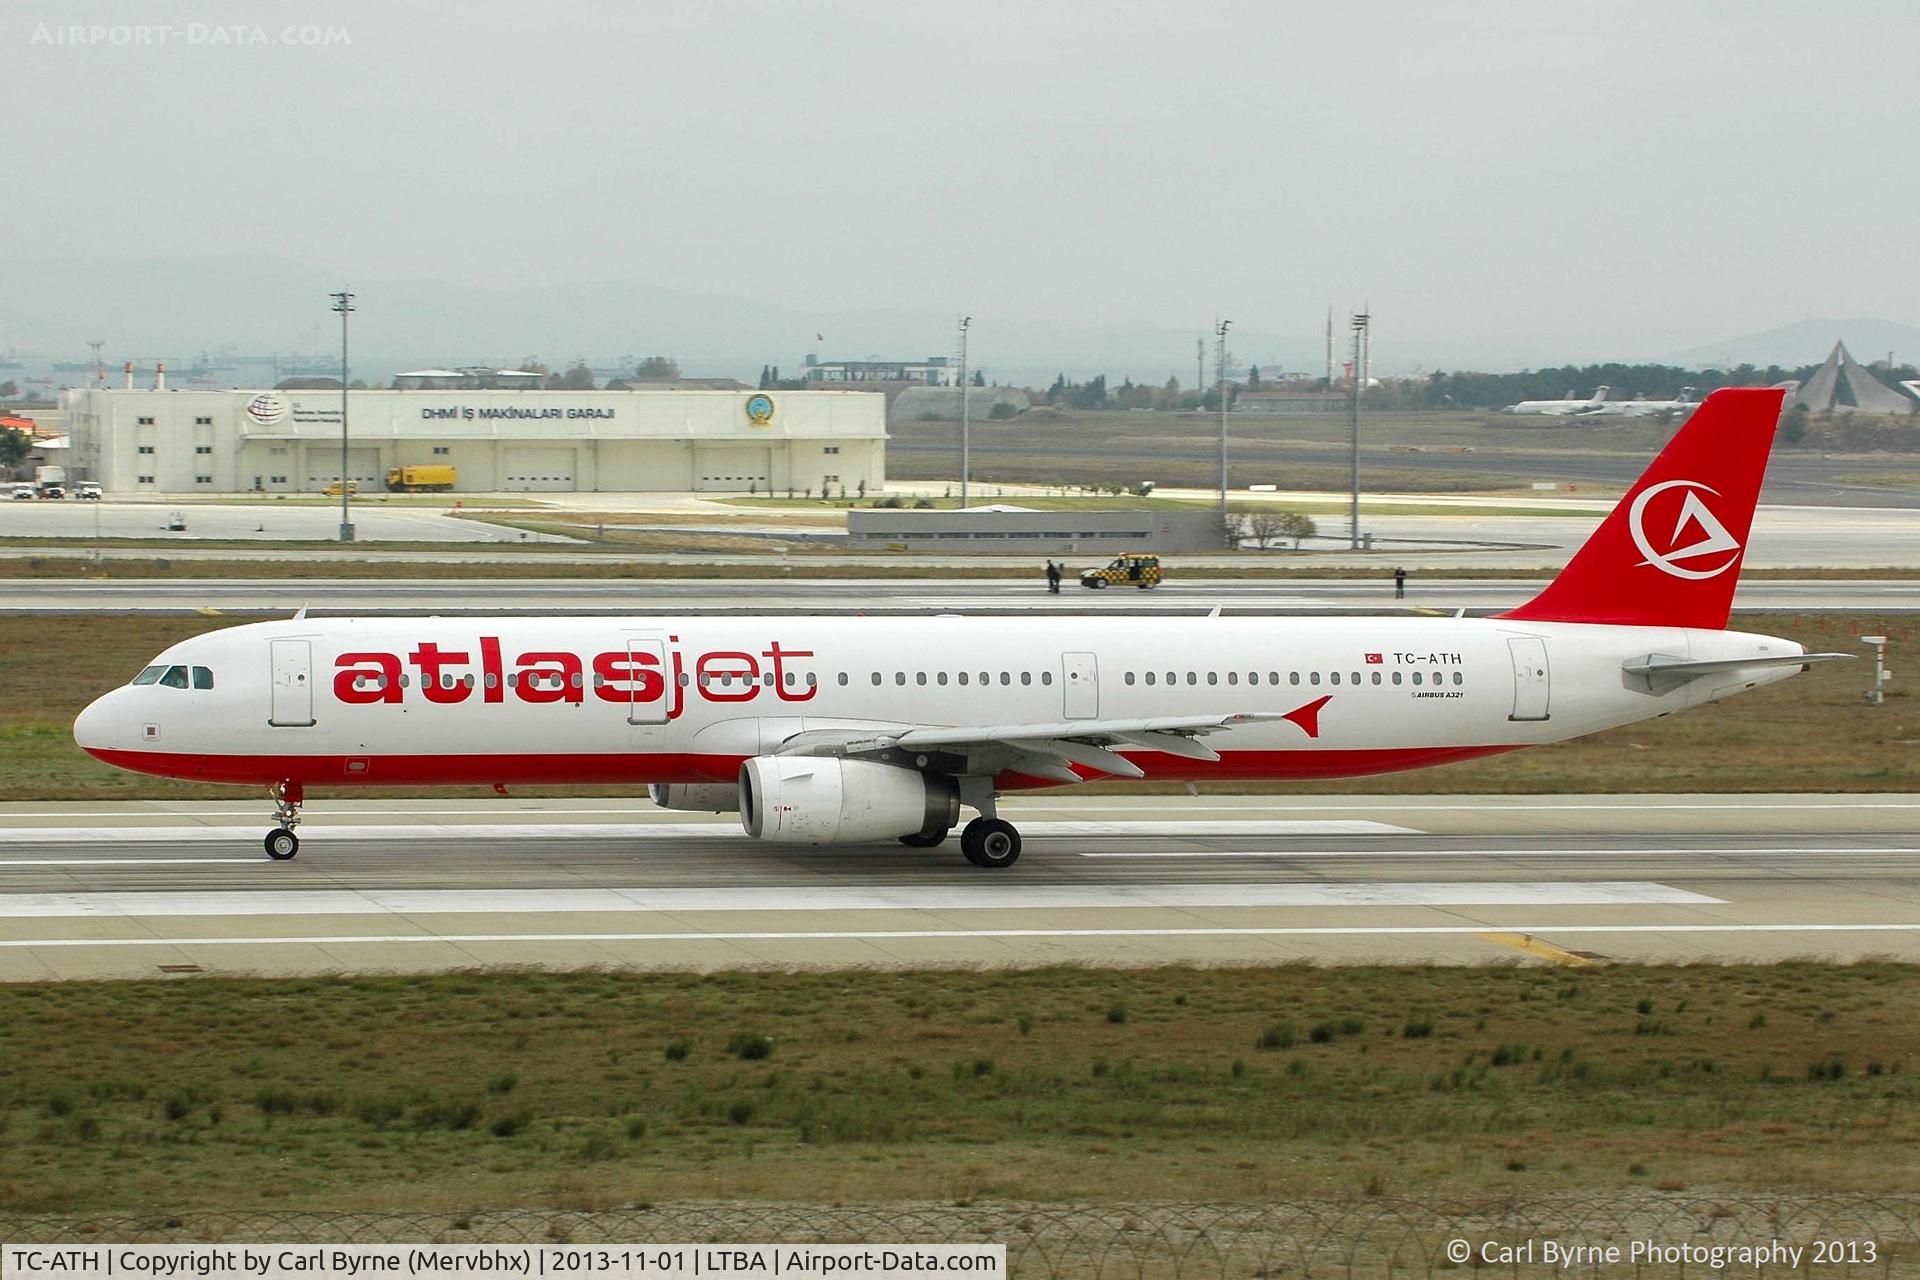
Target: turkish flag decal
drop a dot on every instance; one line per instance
(1374, 659)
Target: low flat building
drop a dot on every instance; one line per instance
(192, 441)
(999, 531)
(1283, 402)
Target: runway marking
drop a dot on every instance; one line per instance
(1541, 950)
(128, 862)
(1491, 851)
(659, 830)
(1009, 896)
(882, 935)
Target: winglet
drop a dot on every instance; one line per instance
(1308, 717)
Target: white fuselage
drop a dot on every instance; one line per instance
(606, 700)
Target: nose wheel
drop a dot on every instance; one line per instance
(281, 844)
(990, 843)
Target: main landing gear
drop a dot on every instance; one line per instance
(990, 842)
(281, 844)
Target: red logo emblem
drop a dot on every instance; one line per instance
(1374, 659)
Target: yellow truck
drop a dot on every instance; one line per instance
(422, 479)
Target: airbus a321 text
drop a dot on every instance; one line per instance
(837, 729)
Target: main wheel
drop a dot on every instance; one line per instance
(921, 840)
(991, 842)
(281, 844)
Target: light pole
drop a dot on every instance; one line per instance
(1220, 332)
(343, 303)
(1360, 323)
(966, 419)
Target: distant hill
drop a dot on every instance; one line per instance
(1808, 342)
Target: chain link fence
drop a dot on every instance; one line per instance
(1838, 1235)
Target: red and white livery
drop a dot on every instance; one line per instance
(826, 729)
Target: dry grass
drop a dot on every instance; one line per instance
(560, 1090)
(1812, 733)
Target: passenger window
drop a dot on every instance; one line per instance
(1006, 677)
(1416, 677)
(1376, 677)
(1149, 677)
(813, 680)
(203, 678)
(493, 681)
(919, 677)
(876, 677)
(1356, 677)
(1396, 677)
(986, 677)
(962, 677)
(1026, 677)
(1333, 678)
(1213, 677)
(940, 678)
(1293, 677)
(149, 675)
(1129, 677)
(843, 679)
(1313, 677)
(1459, 678)
(899, 677)
(1193, 677)
(1046, 677)
(1233, 677)
(1273, 677)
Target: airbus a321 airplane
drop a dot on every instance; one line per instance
(847, 729)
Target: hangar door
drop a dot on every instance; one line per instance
(731, 468)
(363, 468)
(539, 471)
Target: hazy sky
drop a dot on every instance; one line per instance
(1582, 180)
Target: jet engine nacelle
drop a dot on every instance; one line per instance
(825, 799)
(696, 797)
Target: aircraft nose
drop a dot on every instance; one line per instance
(97, 728)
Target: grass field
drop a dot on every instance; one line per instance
(1812, 733)
(593, 1090)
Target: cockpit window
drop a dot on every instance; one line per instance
(175, 678)
(150, 676)
(203, 677)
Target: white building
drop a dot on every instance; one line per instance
(158, 441)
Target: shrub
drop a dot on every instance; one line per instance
(1281, 1035)
(740, 1112)
(1417, 1028)
(508, 1125)
(750, 1046)
(677, 1050)
(503, 1083)
(1117, 1014)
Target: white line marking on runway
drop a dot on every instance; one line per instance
(298, 902)
(660, 831)
(882, 935)
(1490, 851)
(130, 862)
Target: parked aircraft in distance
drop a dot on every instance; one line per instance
(1559, 408)
(1680, 405)
(835, 729)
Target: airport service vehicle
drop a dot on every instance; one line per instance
(24, 492)
(421, 479)
(333, 490)
(1130, 570)
(53, 491)
(176, 521)
(88, 491)
(49, 475)
(841, 729)
(1560, 408)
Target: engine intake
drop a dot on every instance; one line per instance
(696, 797)
(826, 799)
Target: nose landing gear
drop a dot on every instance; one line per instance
(281, 844)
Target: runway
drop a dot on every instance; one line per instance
(547, 596)
(151, 888)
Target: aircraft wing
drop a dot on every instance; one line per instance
(1047, 749)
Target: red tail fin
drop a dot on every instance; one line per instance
(1669, 554)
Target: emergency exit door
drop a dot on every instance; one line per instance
(292, 662)
(1532, 678)
(1080, 676)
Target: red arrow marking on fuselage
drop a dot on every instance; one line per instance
(1308, 717)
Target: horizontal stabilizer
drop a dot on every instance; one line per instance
(1655, 664)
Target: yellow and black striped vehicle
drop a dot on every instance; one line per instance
(1130, 570)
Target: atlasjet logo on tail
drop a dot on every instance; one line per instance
(1711, 537)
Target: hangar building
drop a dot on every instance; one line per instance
(192, 441)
